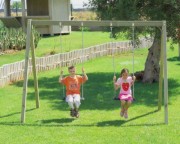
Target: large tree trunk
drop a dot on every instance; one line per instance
(152, 67)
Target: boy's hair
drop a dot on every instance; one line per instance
(123, 71)
(70, 67)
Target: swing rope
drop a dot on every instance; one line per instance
(113, 57)
(111, 36)
(82, 31)
(61, 27)
(133, 47)
(61, 48)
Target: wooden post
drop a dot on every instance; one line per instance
(7, 11)
(34, 70)
(165, 74)
(161, 75)
(179, 48)
(25, 85)
(23, 15)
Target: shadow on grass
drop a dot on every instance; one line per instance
(121, 122)
(60, 121)
(174, 59)
(43, 125)
(98, 92)
(15, 113)
(66, 122)
(172, 90)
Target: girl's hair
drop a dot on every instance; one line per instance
(123, 71)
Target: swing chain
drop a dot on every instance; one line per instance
(61, 48)
(82, 87)
(133, 47)
(113, 58)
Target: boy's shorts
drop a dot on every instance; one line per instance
(73, 98)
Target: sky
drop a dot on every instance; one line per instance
(78, 3)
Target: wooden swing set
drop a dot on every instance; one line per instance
(163, 81)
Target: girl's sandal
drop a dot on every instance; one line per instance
(125, 114)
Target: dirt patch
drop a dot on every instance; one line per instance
(8, 52)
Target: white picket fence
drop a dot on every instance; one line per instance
(10, 73)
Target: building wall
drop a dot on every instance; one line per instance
(52, 10)
(37, 8)
(60, 10)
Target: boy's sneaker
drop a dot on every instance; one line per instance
(76, 113)
(126, 115)
(72, 112)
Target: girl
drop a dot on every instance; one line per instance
(124, 83)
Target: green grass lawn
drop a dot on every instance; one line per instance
(99, 121)
(68, 42)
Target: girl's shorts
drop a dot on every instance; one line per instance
(126, 97)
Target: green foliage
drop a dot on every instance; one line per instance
(1, 24)
(11, 38)
(37, 37)
(141, 10)
(84, 29)
(52, 52)
(16, 5)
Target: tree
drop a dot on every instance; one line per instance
(168, 10)
(16, 5)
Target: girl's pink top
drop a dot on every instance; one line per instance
(125, 85)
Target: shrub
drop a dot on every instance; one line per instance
(11, 38)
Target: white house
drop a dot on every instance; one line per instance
(40, 10)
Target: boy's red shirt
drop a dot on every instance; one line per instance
(73, 85)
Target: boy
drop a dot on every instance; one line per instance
(73, 84)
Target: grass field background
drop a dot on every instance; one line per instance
(99, 121)
(64, 43)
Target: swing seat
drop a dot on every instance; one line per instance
(116, 98)
(134, 99)
(64, 98)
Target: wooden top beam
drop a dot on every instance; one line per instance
(98, 23)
